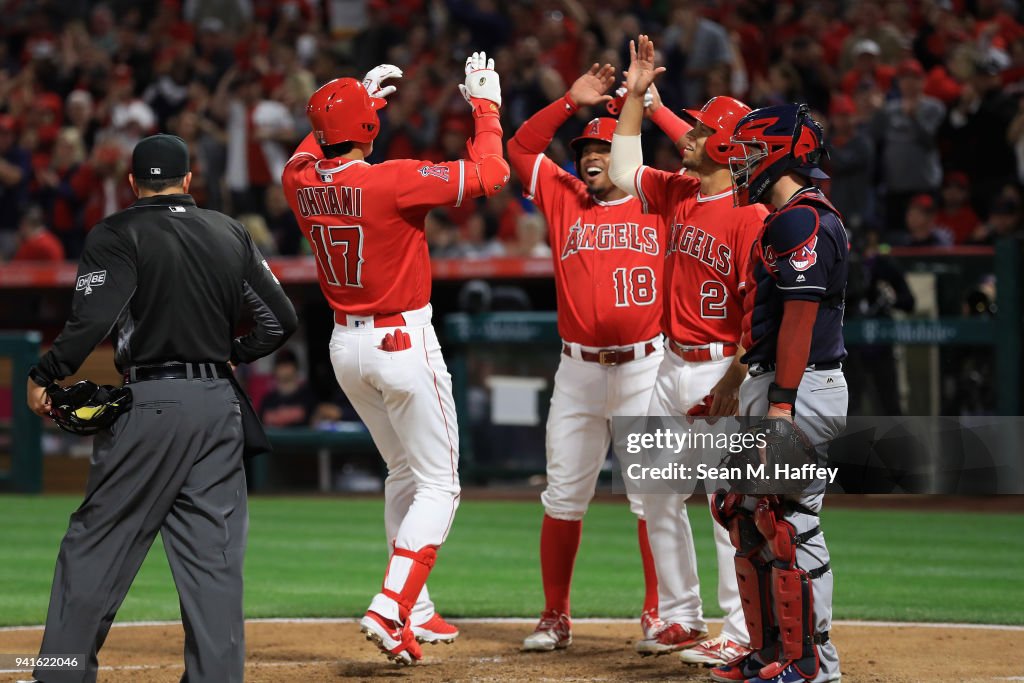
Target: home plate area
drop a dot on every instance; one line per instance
(334, 650)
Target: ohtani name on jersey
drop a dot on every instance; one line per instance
(609, 236)
(691, 240)
(330, 201)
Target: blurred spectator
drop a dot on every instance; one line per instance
(868, 21)
(291, 402)
(531, 237)
(36, 243)
(978, 133)
(867, 68)
(876, 288)
(442, 235)
(15, 171)
(80, 114)
(1004, 220)
(905, 129)
(130, 117)
(693, 45)
(922, 230)
(103, 182)
(282, 224)
(850, 164)
(55, 189)
(481, 237)
(956, 214)
(260, 135)
(257, 228)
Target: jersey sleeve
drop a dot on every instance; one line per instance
(272, 311)
(746, 240)
(107, 278)
(424, 184)
(545, 176)
(803, 254)
(659, 191)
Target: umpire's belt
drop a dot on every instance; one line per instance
(609, 356)
(145, 373)
(758, 369)
(704, 352)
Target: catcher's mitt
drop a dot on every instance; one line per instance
(771, 442)
(85, 407)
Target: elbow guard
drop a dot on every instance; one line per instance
(493, 173)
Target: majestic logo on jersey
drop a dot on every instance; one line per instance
(691, 240)
(332, 200)
(440, 172)
(805, 257)
(608, 236)
(96, 278)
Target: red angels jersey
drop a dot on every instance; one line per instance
(607, 255)
(365, 225)
(707, 255)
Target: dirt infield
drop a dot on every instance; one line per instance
(488, 651)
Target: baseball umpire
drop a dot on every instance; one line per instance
(793, 332)
(169, 280)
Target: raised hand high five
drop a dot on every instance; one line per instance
(590, 88)
(642, 70)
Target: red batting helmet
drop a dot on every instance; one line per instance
(342, 111)
(600, 129)
(721, 115)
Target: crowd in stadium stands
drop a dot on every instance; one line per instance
(920, 99)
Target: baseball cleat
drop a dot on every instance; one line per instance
(435, 630)
(651, 624)
(718, 651)
(394, 639)
(790, 674)
(672, 638)
(737, 672)
(553, 632)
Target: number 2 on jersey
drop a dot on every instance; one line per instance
(326, 248)
(635, 286)
(712, 299)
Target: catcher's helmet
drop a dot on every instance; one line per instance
(771, 142)
(85, 407)
(342, 111)
(600, 129)
(720, 114)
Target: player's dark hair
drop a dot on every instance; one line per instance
(159, 184)
(337, 149)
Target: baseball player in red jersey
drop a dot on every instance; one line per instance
(706, 257)
(365, 225)
(608, 259)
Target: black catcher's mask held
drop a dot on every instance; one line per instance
(86, 408)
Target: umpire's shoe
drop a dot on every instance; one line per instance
(394, 639)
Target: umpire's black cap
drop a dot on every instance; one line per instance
(160, 156)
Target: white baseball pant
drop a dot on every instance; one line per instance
(586, 397)
(405, 399)
(680, 385)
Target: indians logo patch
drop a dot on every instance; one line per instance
(440, 172)
(805, 257)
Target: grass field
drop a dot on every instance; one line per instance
(324, 558)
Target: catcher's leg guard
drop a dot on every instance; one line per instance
(752, 571)
(792, 592)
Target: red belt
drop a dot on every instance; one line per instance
(381, 320)
(700, 355)
(609, 356)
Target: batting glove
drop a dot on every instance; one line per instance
(614, 105)
(482, 82)
(375, 76)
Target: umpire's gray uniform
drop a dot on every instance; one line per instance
(170, 280)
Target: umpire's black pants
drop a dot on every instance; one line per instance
(172, 464)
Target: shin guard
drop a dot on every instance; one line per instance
(409, 588)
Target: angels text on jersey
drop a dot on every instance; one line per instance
(610, 236)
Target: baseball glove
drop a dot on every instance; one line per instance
(773, 451)
(86, 408)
